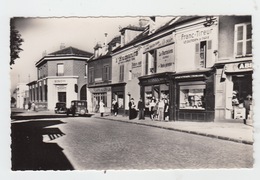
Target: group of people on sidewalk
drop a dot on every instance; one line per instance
(30, 106)
(158, 109)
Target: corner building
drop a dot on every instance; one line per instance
(62, 77)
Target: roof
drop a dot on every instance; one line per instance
(170, 24)
(71, 51)
(115, 40)
(132, 27)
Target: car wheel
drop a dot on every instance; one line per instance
(82, 112)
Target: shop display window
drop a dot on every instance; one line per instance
(192, 97)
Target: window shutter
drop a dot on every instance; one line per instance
(109, 72)
(197, 55)
(209, 53)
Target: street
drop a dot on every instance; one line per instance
(88, 143)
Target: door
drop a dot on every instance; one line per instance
(62, 97)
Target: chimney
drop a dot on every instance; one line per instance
(143, 22)
(62, 46)
(152, 24)
(105, 43)
(105, 47)
(44, 53)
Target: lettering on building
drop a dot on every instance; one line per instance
(159, 43)
(99, 90)
(136, 64)
(189, 76)
(127, 58)
(194, 36)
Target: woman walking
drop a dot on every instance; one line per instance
(101, 108)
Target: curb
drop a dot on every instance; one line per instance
(184, 131)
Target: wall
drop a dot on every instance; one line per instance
(226, 35)
(186, 40)
(132, 61)
(53, 93)
(68, 67)
(79, 69)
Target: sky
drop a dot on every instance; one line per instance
(47, 34)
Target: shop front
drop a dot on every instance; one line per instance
(194, 96)
(97, 94)
(238, 83)
(118, 93)
(158, 87)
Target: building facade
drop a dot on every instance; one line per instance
(194, 62)
(234, 65)
(21, 95)
(99, 73)
(62, 77)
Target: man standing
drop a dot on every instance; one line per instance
(141, 109)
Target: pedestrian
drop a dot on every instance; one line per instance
(29, 105)
(141, 108)
(151, 108)
(101, 108)
(160, 109)
(115, 107)
(247, 105)
(33, 106)
(132, 111)
(166, 110)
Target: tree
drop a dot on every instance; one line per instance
(13, 100)
(15, 42)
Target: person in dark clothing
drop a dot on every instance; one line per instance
(141, 108)
(131, 109)
(115, 107)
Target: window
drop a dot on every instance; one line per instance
(106, 73)
(192, 96)
(60, 69)
(121, 73)
(202, 53)
(39, 73)
(150, 62)
(91, 75)
(243, 40)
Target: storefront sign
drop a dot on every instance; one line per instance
(239, 67)
(136, 64)
(159, 43)
(99, 90)
(189, 76)
(61, 88)
(196, 35)
(60, 81)
(155, 80)
(165, 59)
(127, 57)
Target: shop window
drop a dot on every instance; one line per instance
(243, 40)
(192, 97)
(121, 73)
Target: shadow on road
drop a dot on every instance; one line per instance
(29, 152)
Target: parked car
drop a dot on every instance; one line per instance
(77, 107)
(60, 107)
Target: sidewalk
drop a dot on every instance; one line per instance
(236, 132)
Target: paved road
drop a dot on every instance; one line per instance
(90, 143)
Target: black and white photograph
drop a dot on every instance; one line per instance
(143, 93)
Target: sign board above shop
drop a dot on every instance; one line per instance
(100, 90)
(159, 43)
(239, 67)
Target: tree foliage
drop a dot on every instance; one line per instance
(15, 43)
